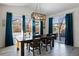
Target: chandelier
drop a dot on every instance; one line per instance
(37, 12)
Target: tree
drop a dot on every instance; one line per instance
(61, 20)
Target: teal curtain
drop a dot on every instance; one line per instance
(41, 27)
(69, 29)
(23, 23)
(50, 26)
(33, 26)
(8, 33)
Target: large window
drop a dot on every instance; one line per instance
(59, 24)
(55, 25)
(17, 25)
(28, 25)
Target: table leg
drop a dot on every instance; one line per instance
(22, 48)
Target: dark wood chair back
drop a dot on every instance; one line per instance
(36, 36)
(54, 36)
(36, 43)
(47, 41)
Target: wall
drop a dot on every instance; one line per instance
(17, 11)
(1, 40)
(75, 12)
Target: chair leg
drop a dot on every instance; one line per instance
(46, 47)
(33, 52)
(39, 50)
(53, 43)
(29, 48)
(27, 45)
(46, 44)
(41, 45)
(50, 46)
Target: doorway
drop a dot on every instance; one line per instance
(59, 29)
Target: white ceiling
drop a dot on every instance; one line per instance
(46, 8)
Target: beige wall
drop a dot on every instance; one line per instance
(17, 11)
(1, 34)
(75, 12)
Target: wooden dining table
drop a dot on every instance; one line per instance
(23, 40)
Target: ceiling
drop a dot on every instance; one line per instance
(46, 8)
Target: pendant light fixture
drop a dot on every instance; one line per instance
(36, 13)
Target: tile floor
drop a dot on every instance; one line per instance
(58, 50)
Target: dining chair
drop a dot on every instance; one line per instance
(35, 44)
(47, 41)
